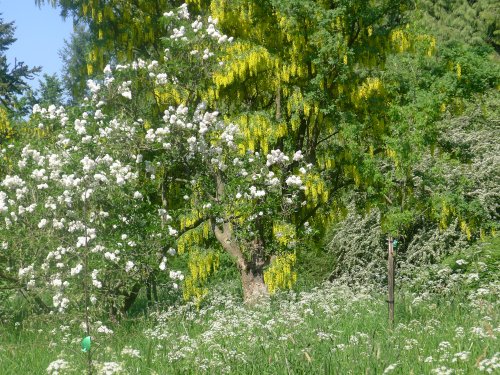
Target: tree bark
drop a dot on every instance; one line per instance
(254, 289)
(252, 272)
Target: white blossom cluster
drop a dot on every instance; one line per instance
(196, 26)
(276, 157)
(51, 113)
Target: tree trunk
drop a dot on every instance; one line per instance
(131, 297)
(252, 272)
(254, 289)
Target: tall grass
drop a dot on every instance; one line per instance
(332, 329)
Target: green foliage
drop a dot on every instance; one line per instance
(476, 22)
(434, 80)
(51, 91)
(479, 262)
(74, 55)
(12, 80)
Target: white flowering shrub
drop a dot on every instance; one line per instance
(357, 244)
(77, 210)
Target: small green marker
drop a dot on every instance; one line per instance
(395, 244)
(86, 344)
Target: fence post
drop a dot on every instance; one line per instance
(390, 280)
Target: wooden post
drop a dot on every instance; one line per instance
(390, 281)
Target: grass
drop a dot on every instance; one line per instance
(333, 329)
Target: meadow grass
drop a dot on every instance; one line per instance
(332, 329)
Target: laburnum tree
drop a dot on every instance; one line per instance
(300, 77)
(308, 76)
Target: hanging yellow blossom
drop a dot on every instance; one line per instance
(280, 274)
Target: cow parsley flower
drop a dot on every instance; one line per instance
(109, 368)
(57, 367)
(105, 330)
(42, 223)
(131, 352)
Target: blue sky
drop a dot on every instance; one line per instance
(40, 34)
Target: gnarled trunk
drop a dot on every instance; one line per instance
(254, 289)
(252, 272)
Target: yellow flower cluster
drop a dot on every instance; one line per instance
(201, 266)
(6, 131)
(284, 233)
(400, 40)
(459, 71)
(370, 87)
(95, 56)
(445, 212)
(369, 30)
(326, 161)
(280, 275)
(465, 229)
(392, 155)
(448, 212)
(188, 220)
(193, 237)
(316, 190)
(243, 61)
(257, 130)
(352, 171)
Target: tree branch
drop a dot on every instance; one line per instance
(224, 237)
